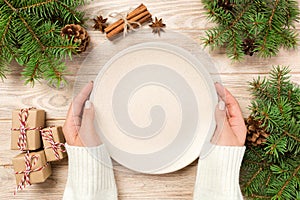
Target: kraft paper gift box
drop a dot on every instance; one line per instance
(54, 140)
(39, 169)
(32, 120)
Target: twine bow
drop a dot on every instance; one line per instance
(23, 116)
(128, 24)
(30, 161)
(47, 134)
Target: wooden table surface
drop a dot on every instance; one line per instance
(186, 17)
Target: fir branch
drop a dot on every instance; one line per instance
(254, 176)
(9, 4)
(292, 136)
(268, 179)
(259, 89)
(255, 152)
(58, 73)
(263, 46)
(34, 73)
(62, 47)
(6, 29)
(274, 146)
(279, 115)
(37, 4)
(260, 196)
(279, 88)
(272, 15)
(288, 181)
(49, 31)
(263, 26)
(32, 33)
(263, 164)
(292, 12)
(68, 9)
(234, 52)
(231, 25)
(2, 69)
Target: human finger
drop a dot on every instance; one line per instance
(239, 129)
(79, 100)
(224, 134)
(220, 117)
(71, 125)
(73, 120)
(232, 105)
(87, 133)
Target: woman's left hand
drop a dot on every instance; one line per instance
(79, 127)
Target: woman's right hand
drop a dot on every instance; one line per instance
(231, 129)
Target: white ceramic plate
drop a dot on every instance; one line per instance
(154, 107)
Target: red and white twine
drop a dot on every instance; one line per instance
(47, 134)
(22, 140)
(30, 161)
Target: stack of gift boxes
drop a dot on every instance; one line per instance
(39, 146)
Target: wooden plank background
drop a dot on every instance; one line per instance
(186, 17)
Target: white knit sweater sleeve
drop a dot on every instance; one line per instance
(218, 174)
(90, 174)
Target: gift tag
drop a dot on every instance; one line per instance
(154, 105)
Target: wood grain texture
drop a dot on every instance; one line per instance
(186, 17)
(14, 94)
(131, 185)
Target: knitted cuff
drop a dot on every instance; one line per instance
(218, 174)
(90, 172)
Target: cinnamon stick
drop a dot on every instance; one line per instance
(120, 28)
(142, 8)
(113, 26)
(136, 11)
(147, 18)
(140, 15)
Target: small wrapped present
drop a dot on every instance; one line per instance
(31, 168)
(54, 143)
(26, 126)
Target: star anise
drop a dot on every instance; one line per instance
(157, 26)
(100, 23)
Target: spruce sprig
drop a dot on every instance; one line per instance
(246, 27)
(272, 171)
(30, 34)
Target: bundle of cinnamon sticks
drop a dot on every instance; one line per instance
(139, 15)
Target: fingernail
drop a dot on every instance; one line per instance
(92, 81)
(87, 104)
(221, 105)
(218, 83)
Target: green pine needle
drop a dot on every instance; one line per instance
(247, 27)
(30, 34)
(272, 171)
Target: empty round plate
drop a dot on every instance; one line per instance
(154, 105)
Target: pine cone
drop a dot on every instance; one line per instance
(226, 4)
(79, 33)
(249, 46)
(255, 134)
